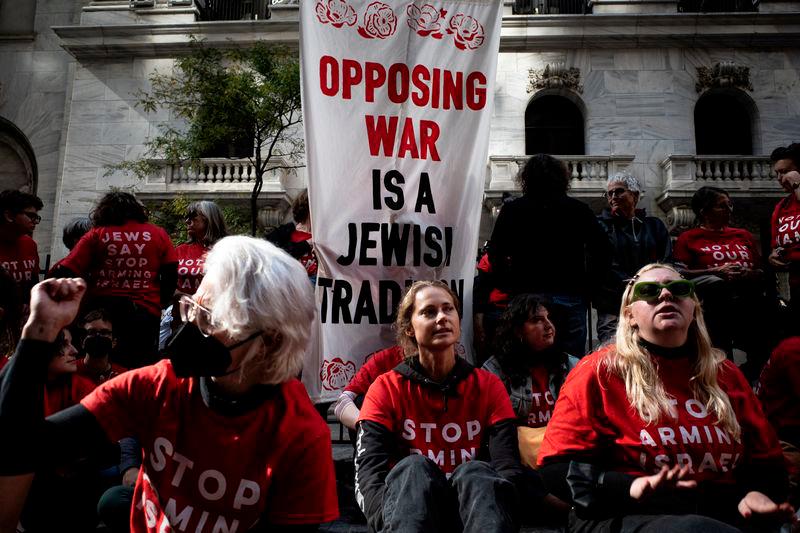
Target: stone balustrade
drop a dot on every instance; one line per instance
(588, 173)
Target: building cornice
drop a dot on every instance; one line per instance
(519, 33)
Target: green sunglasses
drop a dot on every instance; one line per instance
(650, 291)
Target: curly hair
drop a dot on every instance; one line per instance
(406, 308)
(510, 349)
(704, 198)
(116, 208)
(545, 175)
(300, 207)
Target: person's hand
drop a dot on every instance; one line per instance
(665, 479)
(757, 504)
(129, 477)
(54, 305)
(776, 258)
(729, 270)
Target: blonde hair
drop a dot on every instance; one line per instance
(645, 390)
(406, 309)
(259, 287)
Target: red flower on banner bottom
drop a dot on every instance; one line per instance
(380, 22)
(425, 20)
(467, 32)
(335, 12)
(336, 374)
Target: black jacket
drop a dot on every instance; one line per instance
(378, 449)
(548, 245)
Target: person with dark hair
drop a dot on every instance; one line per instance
(19, 255)
(74, 230)
(437, 444)
(636, 240)
(785, 224)
(132, 268)
(532, 370)
(98, 344)
(659, 432)
(552, 245)
(205, 225)
(725, 264)
(295, 237)
(230, 438)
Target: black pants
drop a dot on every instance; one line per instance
(420, 498)
(650, 524)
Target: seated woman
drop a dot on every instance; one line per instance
(725, 265)
(437, 444)
(231, 440)
(660, 432)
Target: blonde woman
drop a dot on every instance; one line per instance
(660, 432)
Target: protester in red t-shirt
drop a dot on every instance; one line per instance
(349, 402)
(231, 440)
(295, 237)
(98, 344)
(779, 392)
(131, 267)
(428, 426)
(725, 265)
(19, 256)
(785, 255)
(205, 225)
(660, 430)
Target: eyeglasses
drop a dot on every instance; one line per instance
(33, 217)
(192, 311)
(650, 291)
(619, 191)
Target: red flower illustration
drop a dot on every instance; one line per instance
(336, 374)
(468, 32)
(424, 20)
(380, 22)
(336, 12)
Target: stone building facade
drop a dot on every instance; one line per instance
(681, 99)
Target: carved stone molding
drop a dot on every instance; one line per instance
(723, 74)
(555, 76)
(679, 219)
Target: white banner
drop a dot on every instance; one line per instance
(397, 102)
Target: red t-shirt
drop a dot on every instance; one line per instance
(66, 392)
(594, 418)
(204, 471)
(417, 415)
(309, 260)
(542, 401)
(376, 364)
(21, 259)
(124, 261)
(191, 266)
(700, 248)
(786, 233)
(779, 387)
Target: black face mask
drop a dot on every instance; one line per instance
(194, 355)
(97, 345)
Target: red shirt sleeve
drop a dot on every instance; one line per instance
(779, 386)
(80, 258)
(681, 251)
(499, 402)
(168, 254)
(578, 426)
(380, 363)
(124, 405)
(773, 227)
(308, 488)
(378, 404)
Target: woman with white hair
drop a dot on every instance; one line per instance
(231, 440)
(205, 225)
(636, 240)
(660, 432)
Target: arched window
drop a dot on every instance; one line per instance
(723, 123)
(17, 160)
(553, 125)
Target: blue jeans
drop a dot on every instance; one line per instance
(420, 498)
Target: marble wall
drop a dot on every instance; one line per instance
(641, 102)
(36, 75)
